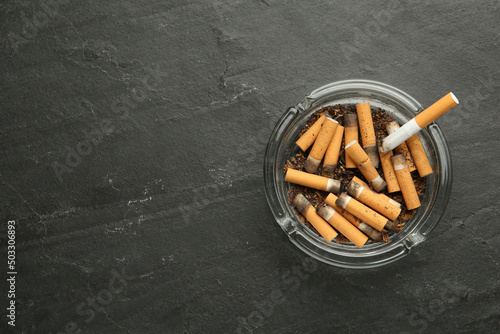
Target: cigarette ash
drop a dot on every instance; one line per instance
(317, 197)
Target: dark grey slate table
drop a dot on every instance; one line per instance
(159, 223)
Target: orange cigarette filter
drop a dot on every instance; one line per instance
(436, 110)
(389, 175)
(365, 165)
(312, 180)
(367, 132)
(320, 145)
(405, 181)
(374, 201)
(371, 217)
(332, 152)
(306, 208)
(351, 133)
(392, 127)
(362, 226)
(381, 195)
(342, 225)
(419, 157)
(308, 137)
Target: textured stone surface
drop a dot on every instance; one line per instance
(172, 194)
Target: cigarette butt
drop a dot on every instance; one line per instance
(342, 225)
(306, 208)
(351, 133)
(405, 181)
(419, 157)
(367, 132)
(362, 226)
(313, 181)
(308, 138)
(419, 122)
(318, 150)
(392, 127)
(381, 195)
(332, 152)
(365, 166)
(389, 175)
(374, 201)
(369, 216)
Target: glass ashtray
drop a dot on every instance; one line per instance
(281, 146)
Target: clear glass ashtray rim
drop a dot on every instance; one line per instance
(372, 255)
